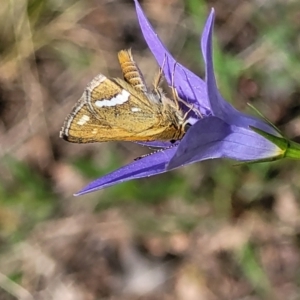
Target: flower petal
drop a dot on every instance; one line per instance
(213, 138)
(189, 86)
(221, 108)
(152, 164)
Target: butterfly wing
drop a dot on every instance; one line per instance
(111, 109)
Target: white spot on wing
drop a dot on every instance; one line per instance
(135, 109)
(83, 120)
(119, 99)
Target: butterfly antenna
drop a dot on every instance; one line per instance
(174, 91)
(159, 76)
(177, 99)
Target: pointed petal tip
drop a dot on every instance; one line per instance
(137, 5)
(79, 193)
(211, 18)
(89, 188)
(85, 191)
(207, 34)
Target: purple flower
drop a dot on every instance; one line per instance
(221, 132)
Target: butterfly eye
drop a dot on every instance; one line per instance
(186, 127)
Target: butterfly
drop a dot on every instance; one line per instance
(114, 109)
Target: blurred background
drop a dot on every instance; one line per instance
(212, 230)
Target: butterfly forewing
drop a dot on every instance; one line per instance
(111, 110)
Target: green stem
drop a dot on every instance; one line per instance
(293, 150)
